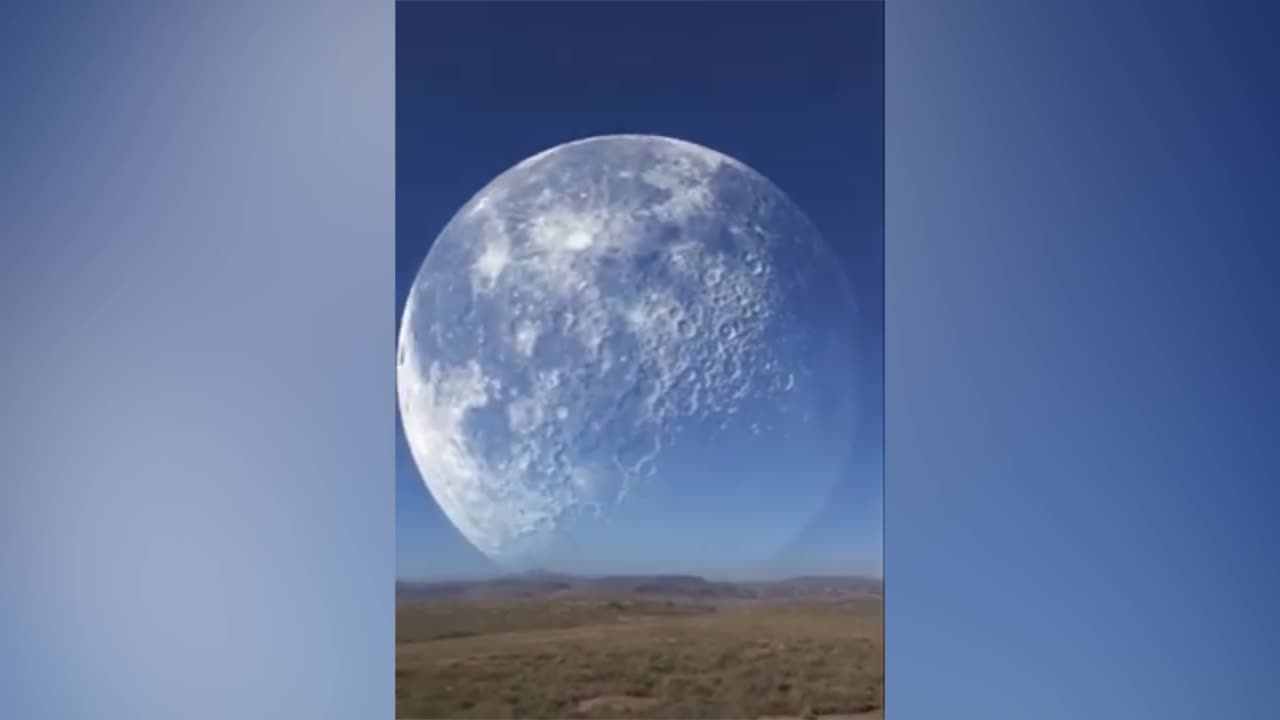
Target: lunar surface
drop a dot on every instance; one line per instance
(628, 352)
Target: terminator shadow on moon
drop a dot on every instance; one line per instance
(627, 335)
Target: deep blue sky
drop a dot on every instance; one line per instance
(794, 90)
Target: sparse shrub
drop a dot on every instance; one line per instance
(745, 661)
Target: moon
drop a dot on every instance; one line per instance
(628, 352)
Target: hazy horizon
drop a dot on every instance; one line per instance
(716, 577)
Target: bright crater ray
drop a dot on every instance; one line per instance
(625, 352)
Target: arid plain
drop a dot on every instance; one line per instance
(552, 646)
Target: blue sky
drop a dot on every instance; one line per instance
(794, 90)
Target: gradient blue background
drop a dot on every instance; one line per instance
(196, 276)
(795, 91)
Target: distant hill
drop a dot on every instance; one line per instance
(544, 584)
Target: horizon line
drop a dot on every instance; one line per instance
(878, 577)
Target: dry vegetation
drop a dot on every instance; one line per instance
(601, 658)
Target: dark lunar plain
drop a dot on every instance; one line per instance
(542, 645)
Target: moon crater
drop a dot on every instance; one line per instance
(627, 332)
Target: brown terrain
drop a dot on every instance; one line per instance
(543, 645)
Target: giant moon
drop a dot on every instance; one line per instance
(629, 352)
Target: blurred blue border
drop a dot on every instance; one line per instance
(196, 257)
(1081, 359)
(196, 279)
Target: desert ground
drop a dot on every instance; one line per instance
(658, 647)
